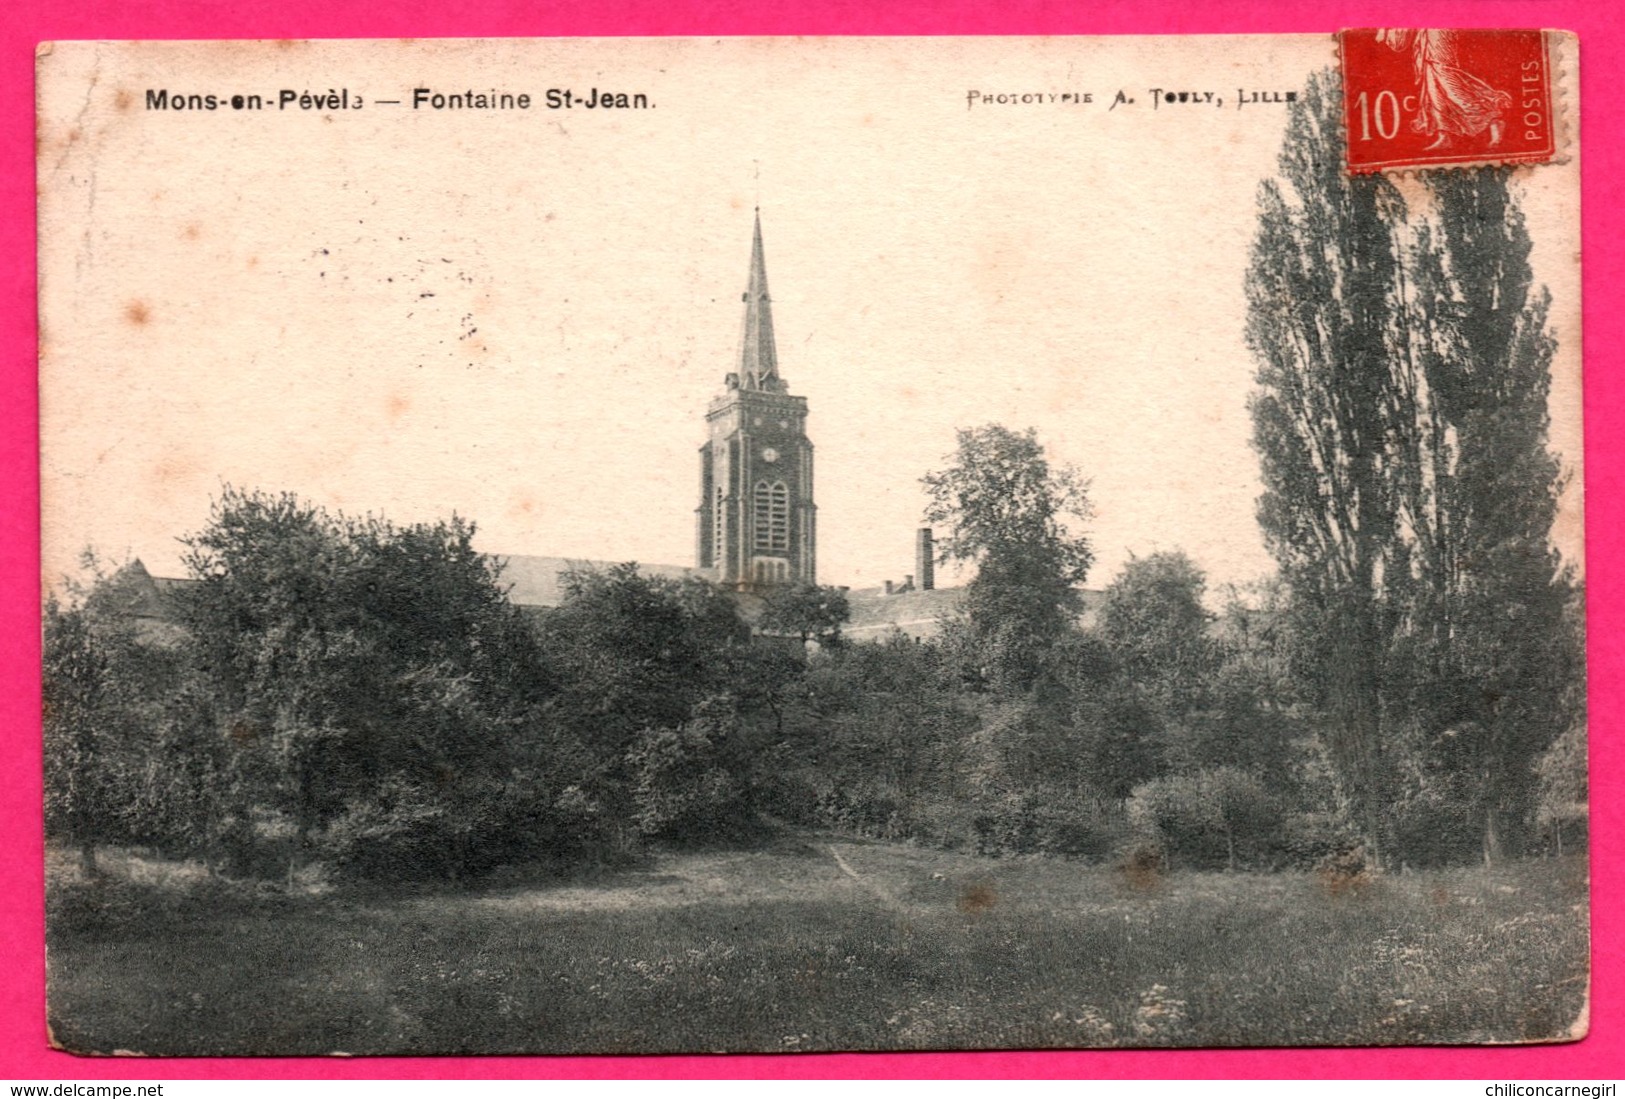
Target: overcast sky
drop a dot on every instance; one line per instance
(520, 316)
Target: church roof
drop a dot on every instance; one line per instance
(539, 581)
(758, 355)
(530, 582)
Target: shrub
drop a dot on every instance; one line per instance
(681, 789)
(1212, 818)
(1306, 838)
(1440, 824)
(410, 831)
(1049, 821)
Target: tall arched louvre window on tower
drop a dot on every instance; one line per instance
(719, 527)
(772, 513)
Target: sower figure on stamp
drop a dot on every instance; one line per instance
(1452, 100)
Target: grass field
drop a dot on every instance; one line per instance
(813, 945)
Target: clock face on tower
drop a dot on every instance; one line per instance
(770, 455)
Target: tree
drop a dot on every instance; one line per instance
(1564, 788)
(810, 612)
(1156, 627)
(1497, 618)
(872, 743)
(633, 654)
(1207, 816)
(1111, 729)
(1409, 491)
(1013, 514)
(1257, 642)
(86, 711)
(1324, 310)
(371, 678)
(123, 762)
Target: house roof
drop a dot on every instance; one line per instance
(921, 613)
(915, 612)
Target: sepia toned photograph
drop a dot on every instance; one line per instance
(787, 545)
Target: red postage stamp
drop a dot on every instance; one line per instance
(1441, 98)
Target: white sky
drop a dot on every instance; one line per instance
(243, 297)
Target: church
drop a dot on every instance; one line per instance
(756, 519)
(756, 522)
(757, 525)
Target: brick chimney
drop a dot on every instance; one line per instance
(925, 553)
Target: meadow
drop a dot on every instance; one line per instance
(814, 943)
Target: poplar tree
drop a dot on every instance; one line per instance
(1324, 324)
(1494, 622)
(1401, 421)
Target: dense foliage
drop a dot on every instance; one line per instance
(1404, 369)
(359, 696)
(1014, 515)
(126, 758)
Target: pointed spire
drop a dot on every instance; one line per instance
(758, 357)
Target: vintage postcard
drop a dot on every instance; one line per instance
(633, 546)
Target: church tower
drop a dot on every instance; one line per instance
(756, 523)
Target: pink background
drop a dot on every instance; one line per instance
(23, 1051)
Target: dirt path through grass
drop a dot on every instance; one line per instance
(880, 891)
(712, 879)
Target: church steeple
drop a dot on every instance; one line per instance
(756, 526)
(758, 356)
